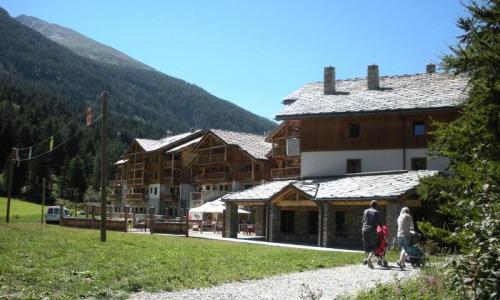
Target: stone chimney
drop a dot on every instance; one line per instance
(373, 78)
(430, 68)
(329, 81)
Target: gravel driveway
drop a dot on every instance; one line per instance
(330, 282)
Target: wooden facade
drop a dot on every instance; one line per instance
(287, 165)
(219, 165)
(385, 131)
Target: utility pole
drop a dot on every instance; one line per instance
(43, 199)
(104, 142)
(9, 192)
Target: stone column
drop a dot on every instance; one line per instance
(259, 220)
(391, 217)
(327, 230)
(274, 223)
(231, 223)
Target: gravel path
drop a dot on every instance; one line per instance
(330, 282)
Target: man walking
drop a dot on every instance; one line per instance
(371, 218)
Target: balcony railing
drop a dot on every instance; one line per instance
(135, 181)
(279, 150)
(116, 183)
(214, 158)
(168, 197)
(211, 176)
(135, 197)
(246, 175)
(285, 173)
(169, 164)
(136, 167)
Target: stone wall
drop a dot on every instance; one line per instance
(301, 232)
(327, 225)
(231, 220)
(259, 220)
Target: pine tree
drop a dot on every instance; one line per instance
(470, 194)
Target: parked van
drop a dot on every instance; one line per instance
(52, 216)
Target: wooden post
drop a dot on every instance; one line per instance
(9, 193)
(104, 144)
(93, 216)
(43, 199)
(187, 223)
(151, 219)
(126, 218)
(61, 214)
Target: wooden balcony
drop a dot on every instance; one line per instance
(211, 176)
(135, 181)
(210, 159)
(285, 173)
(117, 183)
(135, 167)
(176, 164)
(278, 151)
(246, 175)
(135, 197)
(168, 197)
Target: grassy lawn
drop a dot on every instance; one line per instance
(42, 260)
(20, 211)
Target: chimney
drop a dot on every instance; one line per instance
(329, 81)
(373, 78)
(430, 68)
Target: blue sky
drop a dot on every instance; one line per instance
(254, 53)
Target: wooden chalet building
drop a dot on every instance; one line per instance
(347, 142)
(154, 173)
(227, 161)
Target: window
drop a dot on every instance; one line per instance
(340, 223)
(292, 147)
(353, 131)
(353, 166)
(312, 222)
(156, 190)
(419, 163)
(287, 221)
(418, 128)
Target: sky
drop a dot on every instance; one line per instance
(254, 53)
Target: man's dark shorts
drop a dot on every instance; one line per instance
(369, 240)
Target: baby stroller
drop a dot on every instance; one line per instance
(414, 255)
(382, 233)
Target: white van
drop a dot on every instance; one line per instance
(52, 216)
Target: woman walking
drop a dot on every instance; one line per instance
(405, 226)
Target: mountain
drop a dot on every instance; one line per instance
(29, 59)
(81, 44)
(45, 87)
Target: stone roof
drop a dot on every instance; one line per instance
(362, 186)
(376, 186)
(153, 145)
(253, 144)
(397, 93)
(184, 145)
(261, 192)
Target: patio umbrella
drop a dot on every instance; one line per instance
(214, 207)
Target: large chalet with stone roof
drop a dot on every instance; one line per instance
(343, 143)
(340, 144)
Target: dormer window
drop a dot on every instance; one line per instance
(418, 128)
(353, 131)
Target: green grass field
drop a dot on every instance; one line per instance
(49, 261)
(20, 211)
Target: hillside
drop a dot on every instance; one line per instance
(30, 60)
(45, 87)
(81, 44)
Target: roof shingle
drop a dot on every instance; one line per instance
(396, 93)
(254, 144)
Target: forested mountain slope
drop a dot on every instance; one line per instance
(45, 86)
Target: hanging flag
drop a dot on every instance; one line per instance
(29, 155)
(89, 115)
(51, 143)
(18, 159)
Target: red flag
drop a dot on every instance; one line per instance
(89, 115)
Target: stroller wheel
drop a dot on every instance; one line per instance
(385, 264)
